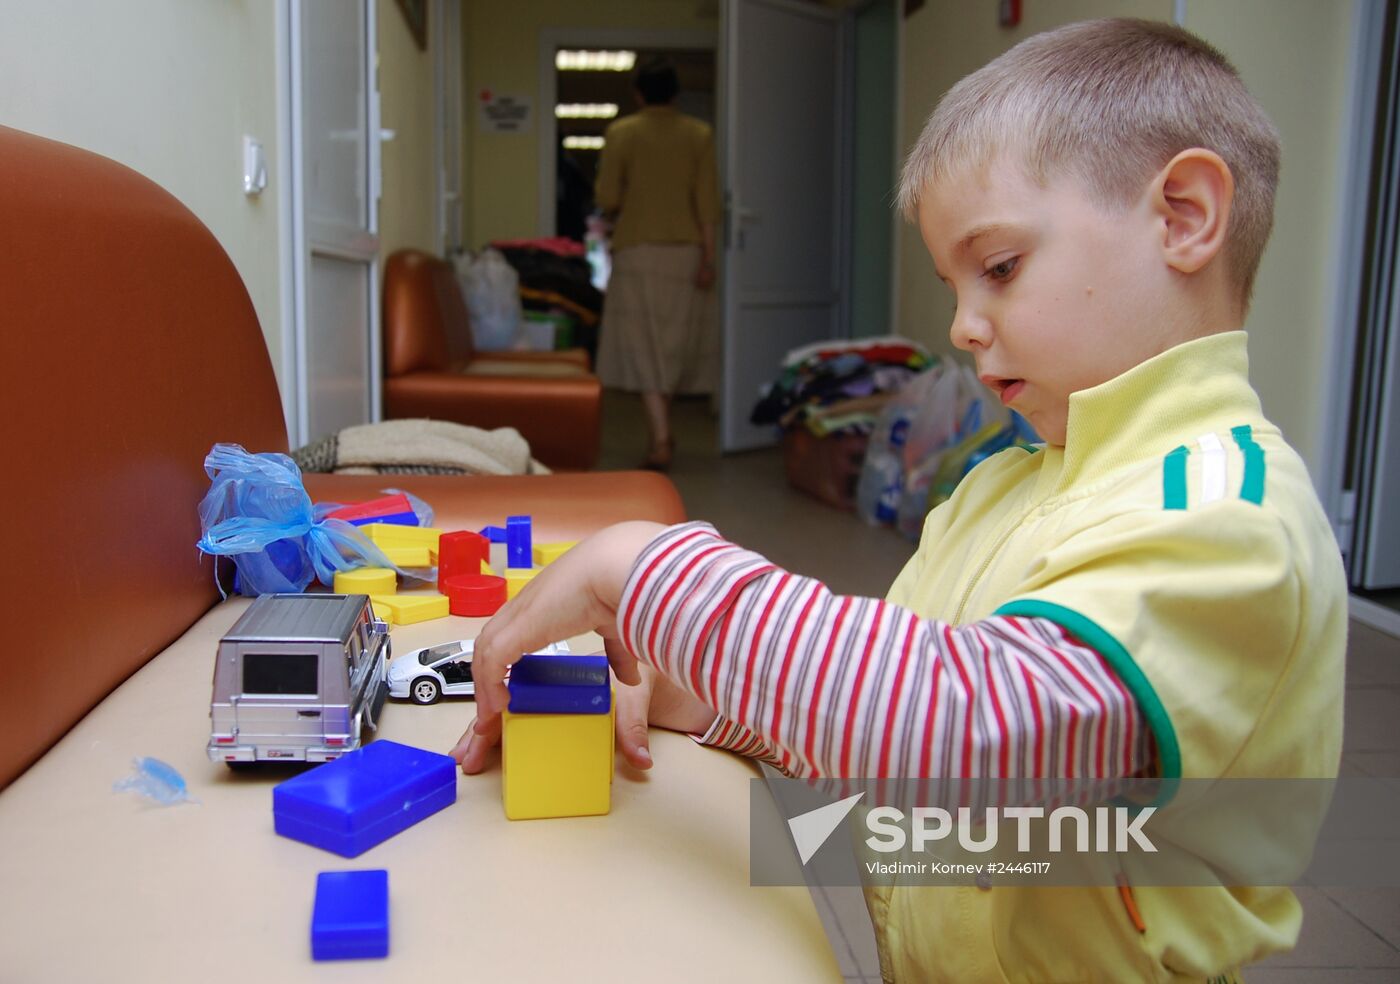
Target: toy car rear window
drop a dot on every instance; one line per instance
(279, 673)
(435, 653)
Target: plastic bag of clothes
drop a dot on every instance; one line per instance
(931, 434)
(491, 288)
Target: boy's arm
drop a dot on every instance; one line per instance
(852, 687)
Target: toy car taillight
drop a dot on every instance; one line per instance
(223, 740)
(335, 741)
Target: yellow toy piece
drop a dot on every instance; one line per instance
(366, 581)
(393, 535)
(486, 567)
(557, 765)
(546, 553)
(517, 578)
(405, 609)
(408, 556)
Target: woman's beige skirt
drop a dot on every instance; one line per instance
(660, 332)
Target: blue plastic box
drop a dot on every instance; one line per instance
(352, 803)
(541, 684)
(350, 920)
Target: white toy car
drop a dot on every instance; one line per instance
(425, 675)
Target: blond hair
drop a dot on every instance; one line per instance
(1109, 102)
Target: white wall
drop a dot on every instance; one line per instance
(1295, 57)
(167, 87)
(406, 106)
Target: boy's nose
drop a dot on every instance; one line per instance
(970, 330)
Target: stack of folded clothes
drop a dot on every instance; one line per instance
(839, 387)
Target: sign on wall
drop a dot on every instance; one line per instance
(499, 112)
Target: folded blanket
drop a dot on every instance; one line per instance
(420, 447)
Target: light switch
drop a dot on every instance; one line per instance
(254, 166)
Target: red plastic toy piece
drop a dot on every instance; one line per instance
(462, 552)
(388, 505)
(475, 595)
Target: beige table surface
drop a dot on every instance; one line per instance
(100, 886)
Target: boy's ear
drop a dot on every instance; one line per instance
(1192, 195)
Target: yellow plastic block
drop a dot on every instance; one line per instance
(556, 765)
(408, 556)
(486, 567)
(517, 578)
(405, 609)
(393, 535)
(367, 581)
(383, 606)
(547, 553)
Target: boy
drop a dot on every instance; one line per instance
(1155, 592)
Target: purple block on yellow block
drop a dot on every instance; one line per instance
(557, 740)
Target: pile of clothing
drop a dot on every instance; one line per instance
(839, 387)
(555, 279)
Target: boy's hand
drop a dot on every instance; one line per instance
(579, 592)
(658, 701)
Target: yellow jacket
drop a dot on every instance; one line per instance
(1180, 536)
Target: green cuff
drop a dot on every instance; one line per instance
(1089, 632)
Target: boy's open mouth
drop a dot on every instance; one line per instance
(1005, 387)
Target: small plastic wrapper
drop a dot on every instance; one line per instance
(156, 781)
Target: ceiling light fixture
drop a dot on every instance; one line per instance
(595, 61)
(583, 143)
(585, 111)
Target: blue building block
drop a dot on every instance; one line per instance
(560, 685)
(351, 918)
(352, 803)
(397, 519)
(496, 534)
(519, 549)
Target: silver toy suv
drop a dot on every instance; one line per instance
(296, 678)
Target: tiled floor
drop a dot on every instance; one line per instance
(1350, 936)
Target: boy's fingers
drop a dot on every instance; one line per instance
(633, 703)
(475, 746)
(623, 663)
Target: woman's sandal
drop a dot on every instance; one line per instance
(659, 458)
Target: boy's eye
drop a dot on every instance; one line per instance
(1002, 271)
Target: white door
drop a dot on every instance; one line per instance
(782, 128)
(335, 194)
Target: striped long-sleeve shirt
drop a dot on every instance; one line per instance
(831, 686)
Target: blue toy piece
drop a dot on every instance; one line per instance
(352, 803)
(397, 519)
(560, 685)
(351, 918)
(519, 549)
(496, 534)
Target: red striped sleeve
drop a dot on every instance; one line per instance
(841, 687)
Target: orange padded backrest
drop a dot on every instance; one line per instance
(426, 326)
(130, 347)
